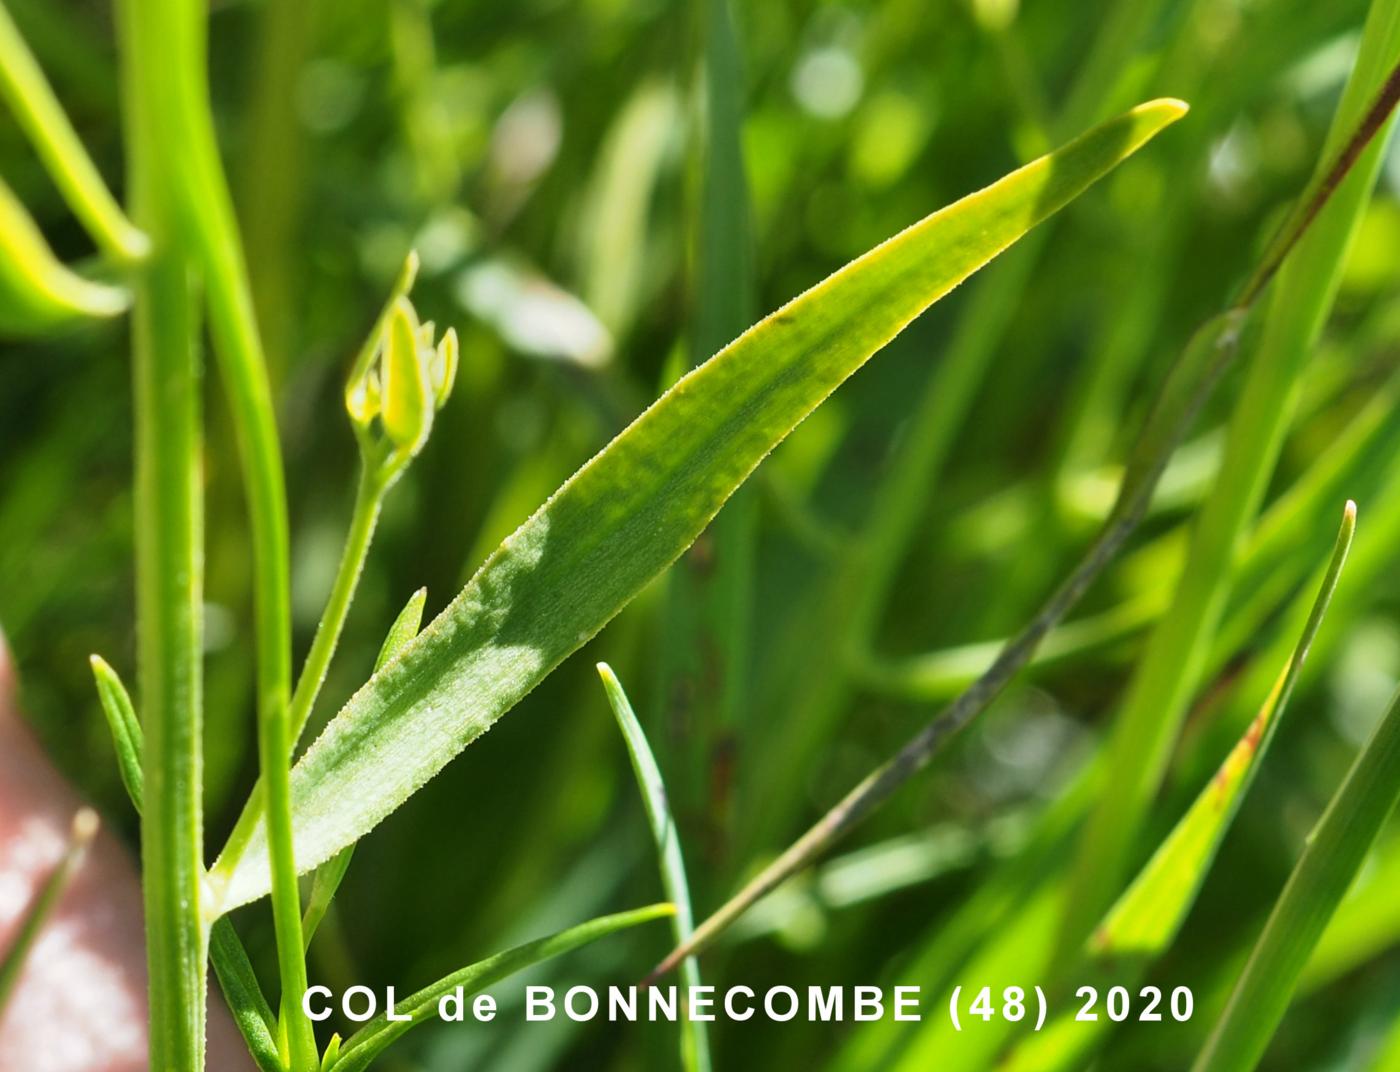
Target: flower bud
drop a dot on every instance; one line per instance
(407, 412)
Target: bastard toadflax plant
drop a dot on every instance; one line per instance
(940, 419)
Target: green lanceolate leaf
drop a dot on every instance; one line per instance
(36, 291)
(360, 1049)
(1146, 918)
(637, 505)
(121, 720)
(695, 1043)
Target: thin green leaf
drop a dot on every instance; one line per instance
(635, 507)
(36, 291)
(1335, 851)
(1146, 918)
(251, 1013)
(31, 98)
(695, 1043)
(83, 831)
(325, 881)
(121, 720)
(366, 1044)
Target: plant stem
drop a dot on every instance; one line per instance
(31, 98)
(369, 498)
(169, 565)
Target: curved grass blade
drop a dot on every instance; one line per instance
(360, 1049)
(637, 505)
(695, 1043)
(326, 878)
(36, 109)
(36, 291)
(84, 830)
(1146, 918)
(1335, 851)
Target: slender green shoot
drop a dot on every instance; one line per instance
(360, 1050)
(695, 1043)
(36, 109)
(84, 829)
(127, 738)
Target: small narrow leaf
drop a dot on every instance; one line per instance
(360, 1049)
(632, 510)
(695, 1043)
(121, 720)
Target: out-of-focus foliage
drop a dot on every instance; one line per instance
(541, 156)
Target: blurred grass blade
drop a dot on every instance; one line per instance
(360, 1050)
(1146, 918)
(325, 880)
(121, 720)
(638, 504)
(695, 1043)
(36, 291)
(1334, 852)
(36, 109)
(45, 900)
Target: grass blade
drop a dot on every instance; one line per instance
(636, 506)
(366, 1044)
(1335, 850)
(1169, 673)
(1146, 918)
(695, 1043)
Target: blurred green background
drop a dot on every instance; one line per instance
(546, 159)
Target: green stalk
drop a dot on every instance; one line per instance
(1335, 851)
(1171, 670)
(198, 195)
(369, 499)
(36, 109)
(169, 567)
